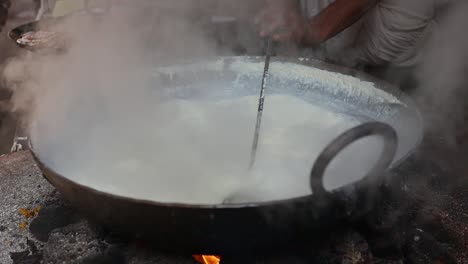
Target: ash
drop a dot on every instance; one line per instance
(418, 223)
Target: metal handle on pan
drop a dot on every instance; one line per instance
(388, 134)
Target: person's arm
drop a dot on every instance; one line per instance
(277, 14)
(335, 18)
(283, 20)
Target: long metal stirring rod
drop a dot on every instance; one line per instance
(261, 101)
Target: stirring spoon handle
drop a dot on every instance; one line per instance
(261, 102)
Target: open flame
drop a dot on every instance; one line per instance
(207, 259)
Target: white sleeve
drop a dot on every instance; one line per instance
(394, 31)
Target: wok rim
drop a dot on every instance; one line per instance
(50, 174)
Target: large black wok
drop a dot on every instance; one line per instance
(230, 228)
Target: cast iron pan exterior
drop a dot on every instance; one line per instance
(19, 31)
(203, 230)
(231, 229)
(45, 24)
(238, 228)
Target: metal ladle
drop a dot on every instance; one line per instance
(261, 101)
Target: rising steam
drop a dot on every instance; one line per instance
(92, 100)
(442, 76)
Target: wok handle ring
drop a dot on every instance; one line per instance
(383, 130)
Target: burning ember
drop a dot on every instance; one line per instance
(207, 259)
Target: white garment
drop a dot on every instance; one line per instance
(394, 31)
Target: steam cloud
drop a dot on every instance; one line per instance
(92, 101)
(442, 76)
(110, 54)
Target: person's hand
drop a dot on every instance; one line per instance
(281, 20)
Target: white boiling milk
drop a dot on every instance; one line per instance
(197, 152)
